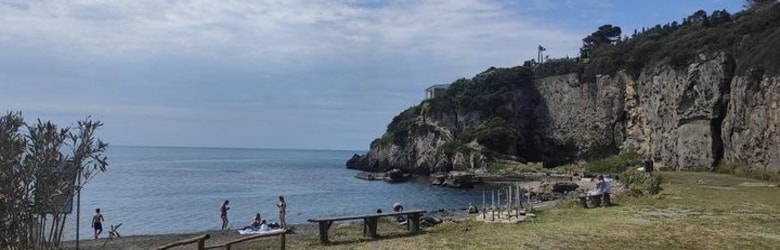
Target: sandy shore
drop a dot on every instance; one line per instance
(221, 236)
(153, 241)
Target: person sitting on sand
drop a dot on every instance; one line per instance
(472, 209)
(263, 226)
(397, 207)
(255, 223)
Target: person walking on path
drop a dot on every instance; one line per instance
(282, 210)
(97, 222)
(223, 213)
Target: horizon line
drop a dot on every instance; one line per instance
(241, 148)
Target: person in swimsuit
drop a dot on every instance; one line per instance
(255, 223)
(97, 222)
(223, 213)
(282, 210)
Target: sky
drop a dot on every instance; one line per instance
(296, 74)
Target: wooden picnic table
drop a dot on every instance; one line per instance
(370, 222)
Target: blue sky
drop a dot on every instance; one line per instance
(277, 73)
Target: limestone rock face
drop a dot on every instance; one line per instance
(751, 129)
(674, 116)
(692, 117)
(580, 120)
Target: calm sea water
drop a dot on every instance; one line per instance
(154, 190)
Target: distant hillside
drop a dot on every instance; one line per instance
(696, 93)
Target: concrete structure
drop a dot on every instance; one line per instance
(436, 90)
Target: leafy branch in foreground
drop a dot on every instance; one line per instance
(39, 168)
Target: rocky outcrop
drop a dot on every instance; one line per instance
(692, 117)
(751, 128)
(581, 120)
(673, 116)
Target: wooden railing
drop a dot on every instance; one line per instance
(281, 234)
(201, 240)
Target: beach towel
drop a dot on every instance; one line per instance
(251, 231)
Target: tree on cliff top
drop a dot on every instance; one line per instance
(39, 168)
(750, 4)
(606, 34)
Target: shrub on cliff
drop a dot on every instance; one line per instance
(487, 93)
(750, 36)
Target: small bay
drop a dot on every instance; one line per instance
(155, 190)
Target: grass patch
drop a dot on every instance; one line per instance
(685, 215)
(638, 183)
(746, 171)
(509, 167)
(613, 164)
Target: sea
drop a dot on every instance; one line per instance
(160, 190)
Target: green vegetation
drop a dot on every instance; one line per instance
(454, 147)
(746, 171)
(614, 164)
(487, 94)
(639, 183)
(749, 37)
(721, 213)
(509, 167)
(39, 164)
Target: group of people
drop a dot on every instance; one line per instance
(397, 207)
(257, 223)
(603, 189)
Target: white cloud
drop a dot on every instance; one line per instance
(275, 29)
(339, 66)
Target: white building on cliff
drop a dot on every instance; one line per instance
(436, 90)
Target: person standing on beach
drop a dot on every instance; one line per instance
(282, 210)
(97, 222)
(223, 213)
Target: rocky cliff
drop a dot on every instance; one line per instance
(722, 105)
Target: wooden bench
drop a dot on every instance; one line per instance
(370, 222)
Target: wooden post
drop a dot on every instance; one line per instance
(324, 232)
(414, 223)
(492, 205)
(530, 207)
(498, 201)
(517, 185)
(202, 244)
(509, 201)
(371, 223)
(483, 204)
(283, 243)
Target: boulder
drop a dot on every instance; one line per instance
(458, 180)
(356, 162)
(564, 187)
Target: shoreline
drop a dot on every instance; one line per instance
(152, 241)
(301, 230)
